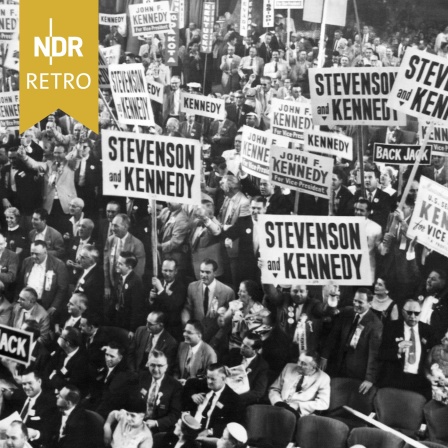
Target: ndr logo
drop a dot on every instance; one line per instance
(57, 46)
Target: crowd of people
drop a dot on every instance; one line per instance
(129, 354)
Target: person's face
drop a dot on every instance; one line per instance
(157, 367)
(38, 223)
(370, 181)
(411, 313)
(152, 324)
(434, 283)
(190, 119)
(62, 340)
(335, 182)
(299, 293)
(38, 254)
(374, 61)
(376, 41)
(122, 268)
(85, 327)
(73, 307)
(344, 61)
(268, 39)
(59, 154)
(306, 364)
(171, 127)
(15, 437)
(191, 336)
(77, 130)
(31, 385)
(368, 53)
(266, 84)
(225, 441)
(257, 208)
(389, 53)
(135, 419)
(11, 219)
(74, 208)
(175, 85)
(111, 211)
(85, 260)
(265, 188)
(239, 97)
(438, 162)
(230, 51)
(206, 273)
(360, 303)
(243, 295)
(238, 140)
(385, 178)
(112, 357)
(169, 271)
(365, 30)
(84, 229)
(337, 35)
(275, 56)
(380, 287)
(12, 157)
(215, 380)
(252, 52)
(61, 399)
(407, 210)
(119, 228)
(250, 121)
(361, 210)
(247, 348)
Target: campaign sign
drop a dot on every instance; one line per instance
(400, 154)
(438, 139)
(15, 344)
(314, 250)
(290, 119)
(202, 105)
(329, 143)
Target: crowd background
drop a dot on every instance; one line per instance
(204, 353)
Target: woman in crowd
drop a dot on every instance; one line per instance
(16, 235)
(382, 305)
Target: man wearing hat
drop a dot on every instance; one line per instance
(234, 436)
(194, 87)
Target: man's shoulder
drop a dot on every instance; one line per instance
(53, 261)
(171, 383)
(53, 232)
(222, 286)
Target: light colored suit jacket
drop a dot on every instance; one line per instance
(9, 263)
(37, 313)
(200, 361)
(54, 240)
(315, 393)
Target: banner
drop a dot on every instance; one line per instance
(335, 15)
(155, 90)
(178, 6)
(421, 87)
(202, 105)
(150, 18)
(268, 13)
(12, 60)
(151, 167)
(329, 143)
(171, 50)
(15, 344)
(111, 54)
(9, 22)
(290, 119)
(130, 93)
(103, 72)
(314, 250)
(288, 4)
(429, 222)
(400, 154)
(9, 110)
(208, 20)
(301, 171)
(438, 139)
(246, 17)
(255, 150)
(353, 96)
(112, 19)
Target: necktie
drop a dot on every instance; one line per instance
(370, 197)
(189, 129)
(238, 113)
(251, 62)
(352, 331)
(187, 364)
(300, 384)
(205, 412)
(24, 411)
(150, 403)
(276, 67)
(206, 294)
(412, 357)
(149, 343)
(336, 44)
(118, 249)
(120, 292)
(335, 203)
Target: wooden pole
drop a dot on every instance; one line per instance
(321, 55)
(154, 239)
(288, 39)
(361, 159)
(358, 24)
(109, 109)
(205, 73)
(296, 203)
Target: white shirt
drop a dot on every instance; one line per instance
(76, 224)
(82, 170)
(36, 279)
(155, 338)
(69, 356)
(65, 416)
(412, 368)
(86, 271)
(246, 361)
(72, 321)
(198, 416)
(194, 349)
(31, 401)
(41, 235)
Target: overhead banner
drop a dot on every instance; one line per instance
(290, 119)
(353, 96)
(314, 250)
(288, 4)
(246, 17)
(205, 106)
(151, 167)
(268, 13)
(438, 139)
(130, 93)
(429, 222)
(329, 143)
(9, 110)
(335, 15)
(208, 21)
(171, 49)
(421, 87)
(301, 171)
(150, 18)
(15, 344)
(9, 22)
(155, 90)
(400, 154)
(255, 151)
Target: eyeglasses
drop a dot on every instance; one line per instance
(412, 313)
(263, 84)
(158, 366)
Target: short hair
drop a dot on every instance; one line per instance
(411, 300)
(82, 298)
(196, 324)
(315, 355)
(32, 291)
(78, 201)
(441, 273)
(339, 172)
(114, 203)
(116, 346)
(32, 326)
(40, 243)
(73, 336)
(366, 202)
(93, 319)
(157, 354)
(266, 78)
(22, 427)
(171, 260)
(211, 262)
(367, 292)
(261, 199)
(218, 367)
(252, 289)
(256, 338)
(124, 218)
(13, 211)
(130, 260)
(73, 395)
(42, 213)
(93, 252)
(174, 122)
(28, 370)
(372, 168)
(89, 223)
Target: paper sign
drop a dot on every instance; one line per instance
(290, 119)
(438, 139)
(191, 103)
(15, 344)
(150, 18)
(329, 143)
(400, 154)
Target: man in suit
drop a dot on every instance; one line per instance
(120, 241)
(385, 134)
(264, 93)
(69, 362)
(221, 135)
(9, 264)
(343, 200)
(204, 297)
(238, 110)
(251, 64)
(161, 392)
(255, 366)
(339, 42)
(302, 388)
(267, 47)
(47, 275)
(73, 426)
(105, 227)
(194, 355)
(153, 336)
(171, 100)
(437, 171)
(76, 307)
(168, 296)
(191, 128)
(404, 349)
(95, 338)
(229, 66)
(215, 403)
(17, 436)
(72, 225)
(42, 232)
(354, 342)
(91, 277)
(276, 68)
